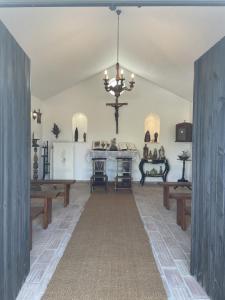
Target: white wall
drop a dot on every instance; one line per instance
(37, 130)
(90, 98)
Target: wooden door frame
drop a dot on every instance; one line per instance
(105, 3)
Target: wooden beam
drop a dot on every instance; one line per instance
(112, 3)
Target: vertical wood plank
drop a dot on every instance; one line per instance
(14, 165)
(208, 209)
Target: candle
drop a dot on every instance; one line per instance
(106, 74)
(121, 73)
(132, 76)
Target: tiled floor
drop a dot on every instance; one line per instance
(171, 246)
(49, 245)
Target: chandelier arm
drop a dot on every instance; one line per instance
(108, 89)
(127, 89)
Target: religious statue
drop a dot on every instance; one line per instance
(153, 172)
(160, 170)
(155, 154)
(150, 156)
(113, 146)
(156, 135)
(76, 135)
(162, 153)
(145, 152)
(56, 130)
(147, 137)
(85, 137)
(39, 116)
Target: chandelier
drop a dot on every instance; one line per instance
(116, 86)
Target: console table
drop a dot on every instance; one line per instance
(162, 175)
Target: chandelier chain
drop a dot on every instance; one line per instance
(118, 33)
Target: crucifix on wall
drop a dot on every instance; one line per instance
(116, 105)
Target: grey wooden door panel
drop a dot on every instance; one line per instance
(208, 209)
(14, 165)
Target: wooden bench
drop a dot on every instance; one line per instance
(182, 209)
(66, 183)
(166, 190)
(46, 209)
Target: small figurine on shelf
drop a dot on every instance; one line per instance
(160, 170)
(155, 154)
(103, 144)
(162, 153)
(147, 137)
(85, 137)
(113, 146)
(145, 152)
(56, 130)
(150, 156)
(156, 135)
(153, 172)
(76, 135)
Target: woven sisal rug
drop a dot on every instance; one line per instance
(108, 256)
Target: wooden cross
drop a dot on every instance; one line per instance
(117, 105)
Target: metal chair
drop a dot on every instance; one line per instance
(123, 179)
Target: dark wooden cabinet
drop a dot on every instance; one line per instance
(184, 132)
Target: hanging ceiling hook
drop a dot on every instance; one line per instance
(113, 7)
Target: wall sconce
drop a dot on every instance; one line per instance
(37, 115)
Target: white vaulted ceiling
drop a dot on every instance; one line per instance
(67, 45)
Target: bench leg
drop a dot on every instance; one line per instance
(66, 194)
(46, 213)
(49, 203)
(178, 212)
(166, 201)
(183, 215)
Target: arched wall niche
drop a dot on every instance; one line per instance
(79, 121)
(152, 124)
